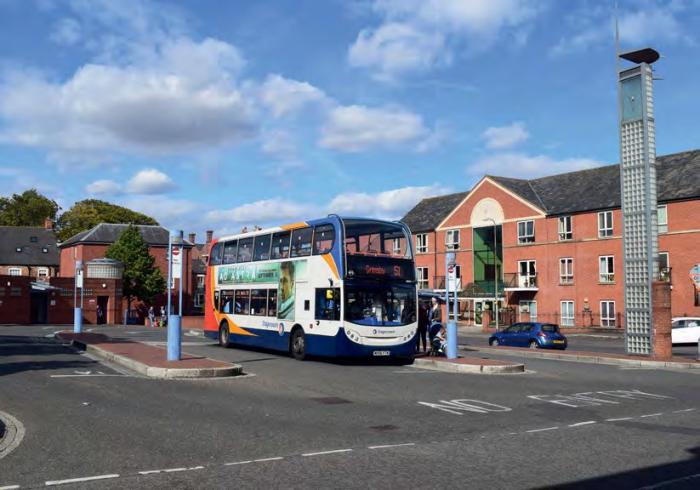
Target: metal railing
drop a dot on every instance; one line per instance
(517, 280)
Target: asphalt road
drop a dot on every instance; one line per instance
(586, 343)
(316, 424)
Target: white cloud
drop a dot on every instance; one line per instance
(283, 96)
(356, 128)
(417, 35)
(150, 181)
(396, 48)
(183, 101)
(66, 32)
(499, 138)
(653, 21)
(262, 213)
(175, 214)
(520, 165)
(391, 204)
(104, 186)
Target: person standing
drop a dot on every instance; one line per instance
(151, 316)
(422, 326)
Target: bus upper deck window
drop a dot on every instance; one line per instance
(301, 242)
(324, 236)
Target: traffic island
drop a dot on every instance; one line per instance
(591, 357)
(149, 360)
(471, 365)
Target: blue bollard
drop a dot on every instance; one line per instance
(451, 339)
(77, 320)
(173, 337)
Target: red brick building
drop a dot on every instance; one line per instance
(555, 243)
(93, 244)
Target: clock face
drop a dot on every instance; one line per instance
(632, 98)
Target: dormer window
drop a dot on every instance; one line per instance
(33, 239)
(18, 249)
(45, 250)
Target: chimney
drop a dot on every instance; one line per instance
(192, 237)
(210, 235)
(48, 223)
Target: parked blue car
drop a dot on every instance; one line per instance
(530, 334)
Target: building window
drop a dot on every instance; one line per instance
(200, 281)
(452, 240)
(396, 246)
(198, 300)
(605, 224)
(422, 276)
(607, 314)
(422, 243)
(42, 272)
(664, 267)
(607, 269)
(14, 271)
(567, 314)
(527, 273)
(526, 231)
(662, 214)
(566, 271)
(565, 229)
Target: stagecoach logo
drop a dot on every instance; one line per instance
(280, 328)
(382, 332)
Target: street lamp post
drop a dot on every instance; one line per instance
(495, 269)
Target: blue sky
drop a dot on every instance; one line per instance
(216, 114)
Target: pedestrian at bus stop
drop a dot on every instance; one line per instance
(434, 318)
(422, 326)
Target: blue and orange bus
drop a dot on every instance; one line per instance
(331, 287)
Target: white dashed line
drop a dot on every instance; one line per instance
(684, 410)
(170, 470)
(579, 424)
(78, 480)
(9, 487)
(618, 420)
(386, 446)
(267, 459)
(541, 430)
(651, 415)
(238, 462)
(327, 452)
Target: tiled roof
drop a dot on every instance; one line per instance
(107, 233)
(32, 241)
(677, 175)
(428, 213)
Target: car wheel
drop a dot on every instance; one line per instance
(298, 344)
(533, 344)
(224, 335)
(495, 343)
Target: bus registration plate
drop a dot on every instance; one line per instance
(381, 353)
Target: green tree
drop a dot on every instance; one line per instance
(90, 212)
(142, 280)
(27, 209)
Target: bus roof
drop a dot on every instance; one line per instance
(331, 218)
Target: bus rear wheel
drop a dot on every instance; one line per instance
(297, 344)
(224, 335)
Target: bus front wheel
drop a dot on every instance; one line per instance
(224, 335)
(298, 344)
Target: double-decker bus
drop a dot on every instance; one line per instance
(328, 287)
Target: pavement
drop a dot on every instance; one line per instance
(147, 359)
(470, 365)
(333, 424)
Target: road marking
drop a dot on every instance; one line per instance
(467, 405)
(542, 430)
(267, 459)
(579, 424)
(238, 462)
(684, 410)
(619, 419)
(327, 452)
(651, 415)
(594, 398)
(9, 487)
(386, 446)
(78, 480)
(670, 482)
